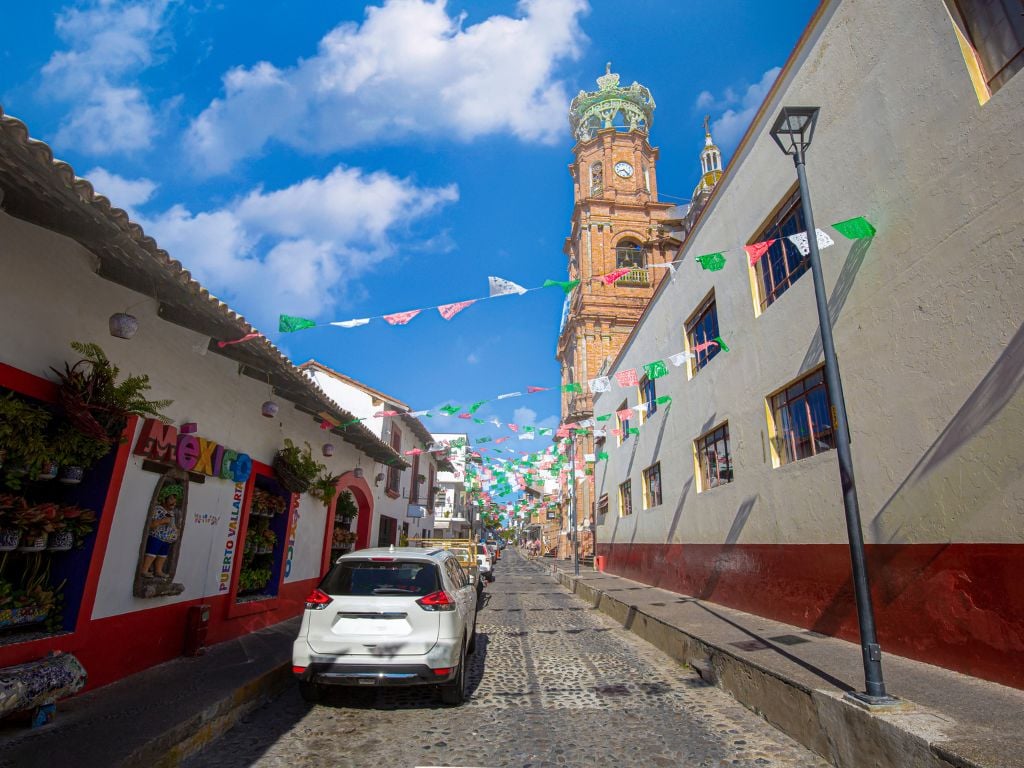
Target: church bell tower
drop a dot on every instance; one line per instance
(615, 225)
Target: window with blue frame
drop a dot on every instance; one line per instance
(783, 264)
(623, 424)
(702, 328)
(802, 413)
(648, 396)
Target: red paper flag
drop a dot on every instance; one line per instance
(617, 432)
(627, 378)
(531, 390)
(247, 337)
(414, 452)
(757, 250)
(448, 311)
(401, 318)
(704, 345)
(614, 275)
(624, 414)
(382, 414)
(501, 439)
(514, 427)
(465, 416)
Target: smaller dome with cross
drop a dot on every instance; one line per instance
(611, 106)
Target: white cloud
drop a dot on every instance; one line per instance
(409, 69)
(739, 108)
(295, 250)
(128, 194)
(108, 44)
(528, 416)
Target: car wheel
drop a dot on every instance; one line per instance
(311, 692)
(472, 638)
(454, 692)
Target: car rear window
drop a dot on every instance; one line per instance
(364, 577)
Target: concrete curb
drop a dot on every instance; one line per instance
(908, 736)
(184, 739)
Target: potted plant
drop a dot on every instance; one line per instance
(23, 438)
(269, 540)
(79, 523)
(36, 524)
(10, 523)
(346, 507)
(93, 400)
(296, 469)
(75, 452)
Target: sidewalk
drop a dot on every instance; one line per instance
(796, 679)
(157, 717)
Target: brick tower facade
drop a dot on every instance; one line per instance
(616, 223)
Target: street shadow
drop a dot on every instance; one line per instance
(840, 293)
(725, 555)
(767, 643)
(678, 514)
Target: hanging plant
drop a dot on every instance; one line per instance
(93, 400)
(296, 469)
(324, 488)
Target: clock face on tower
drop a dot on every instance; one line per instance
(624, 169)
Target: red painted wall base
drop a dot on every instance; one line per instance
(119, 646)
(958, 606)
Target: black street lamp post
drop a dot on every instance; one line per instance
(792, 131)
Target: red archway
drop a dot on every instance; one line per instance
(363, 496)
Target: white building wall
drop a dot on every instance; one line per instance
(923, 313)
(206, 388)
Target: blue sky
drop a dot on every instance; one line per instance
(336, 160)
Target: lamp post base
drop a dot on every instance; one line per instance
(873, 703)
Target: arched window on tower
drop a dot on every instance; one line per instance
(647, 178)
(629, 253)
(596, 179)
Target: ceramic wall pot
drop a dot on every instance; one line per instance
(70, 475)
(123, 325)
(269, 409)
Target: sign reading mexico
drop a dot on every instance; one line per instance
(161, 442)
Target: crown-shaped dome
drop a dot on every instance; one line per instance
(592, 111)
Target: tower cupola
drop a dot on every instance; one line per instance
(710, 162)
(611, 106)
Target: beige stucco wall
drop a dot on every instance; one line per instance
(927, 315)
(50, 296)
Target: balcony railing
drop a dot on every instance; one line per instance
(635, 276)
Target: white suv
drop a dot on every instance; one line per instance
(398, 616)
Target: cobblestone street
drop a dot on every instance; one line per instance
(553, 682)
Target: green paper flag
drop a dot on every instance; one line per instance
(721, 344)
(855, 228)
(574, 387)
(478, 421)
(565, 285)
(451, 410)
(476, 406)
(603, 418)
(527, 429)
(588, 471)
(287, 323)
(656, 370)
(634, 430)
(664, 400)
(602, 456)
(712, 262)
(545, 430)
(483, 439)
(579, 431)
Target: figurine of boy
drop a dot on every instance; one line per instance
(163, 532)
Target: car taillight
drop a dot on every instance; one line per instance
(317, 600)
(298, 670)
(437, 601)
(442, 671)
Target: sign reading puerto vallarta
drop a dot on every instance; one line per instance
(161, 442)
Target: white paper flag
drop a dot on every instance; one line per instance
(352, 323)
(640, 407)
(495, 422)
(600, 433)
(679, 358)
(501, 287)
(589, 458)
(509, 394)
(600, 384)
(800, 241)
(670, 266)
(585, 423)
(526, 435)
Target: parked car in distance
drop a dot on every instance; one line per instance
(492, 547)
(484, 565)
(381, 617)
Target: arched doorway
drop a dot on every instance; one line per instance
(363, 497)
